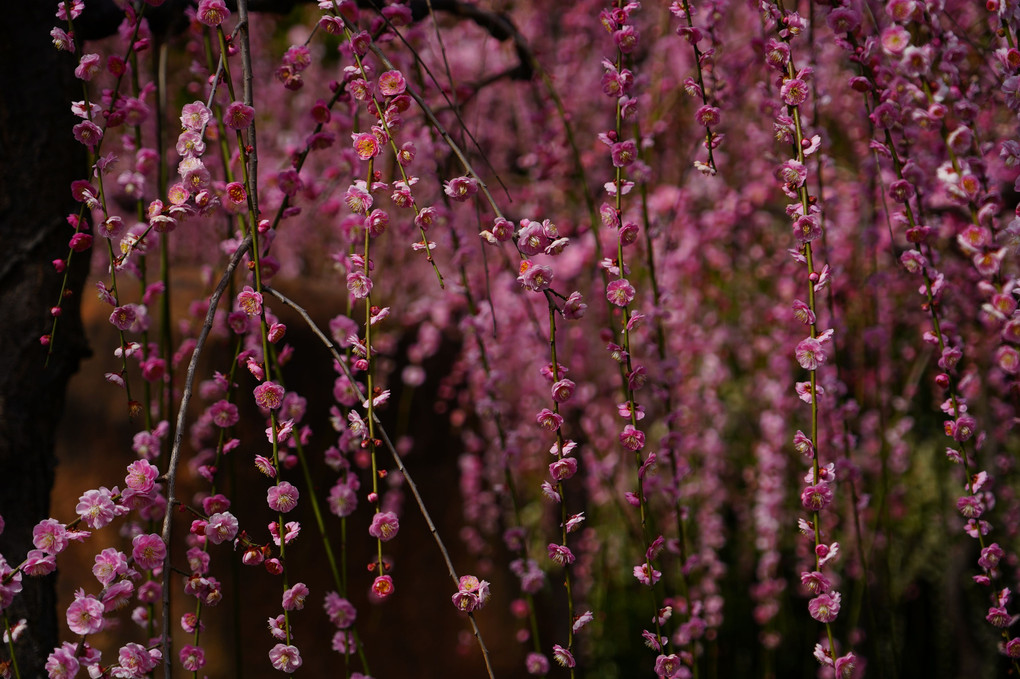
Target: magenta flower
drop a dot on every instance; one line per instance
(62, 662)
(845, 666)
(531, 239)
(824, 607)
(89, 67)
(212, 12)
(810, 353)
(815, 582)
(85, 614)
(382, 586)
(563, 656)
(88, 133)
(563, 390)
(195, 116)
(148, 551)
(96, 508)
(285, 658)
(294, 598)
(282, 497)
(536, 664)
(38, 562)
(647, 575)
(668, 665)
(365, 145)
(807, 228)
(535, 277)
(461, 188)
(794, 92)
(563, 469)
(549, 420)
(269, 395)
(109, 563)
(359, 284)
(224, 414)
(385, 526)
(560, 554)
(620, 292)
(816, 498)
(249, 301)
(341, 612)
(238, 116)
(632, 438)
(49, 535)
(392, 83)
(136, 659)
(221, 527)
(343, 499)
(624, 153)
(192, 658)
(708, 116)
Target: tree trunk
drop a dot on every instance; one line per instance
(38, 160)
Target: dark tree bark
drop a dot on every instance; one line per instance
(38, 160)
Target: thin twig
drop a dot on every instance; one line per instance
(393, 452)
(171, 472)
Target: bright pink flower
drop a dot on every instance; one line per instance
(249, 301)
(62, 663)
(88, 67)
(574, 307)
(343, 499)
(49, 535)
(816, 498)
(535, 277)
(365, 145)
(221, 527)
(382, 586)
(212, 12)
(294, 598)
(810, 353)
(563, 469)
(549, 420)
(563, 390)
(563, 656)
(461, 188)
(192, 658)
(85, 614)
(825, 607)
(632, 438)
(38, 563)
(269, 395)
(141, 476)
(624, 153)
(96, 508)
(224, 414)
(282, 497)
(560, 554)
(341, 612)
(646, 575)
(385, 526)
(108, 565)
(815, 582)
(359, 284)
(537, 664)
(668, 665)
(195, 116)
(392, 83)
(620, 292)
(238, 116)
(118, 595)
(148, 551)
